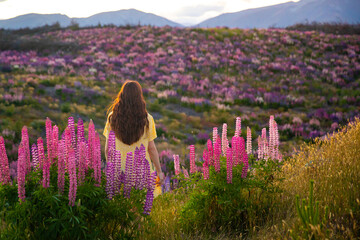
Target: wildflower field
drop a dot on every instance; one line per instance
(258, 134)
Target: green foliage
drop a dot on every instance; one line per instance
(216, 206)
(309, 213)
(46, 214)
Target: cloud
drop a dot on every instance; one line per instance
(199, 10)
(3, 0)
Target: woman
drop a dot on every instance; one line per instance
(133, 126)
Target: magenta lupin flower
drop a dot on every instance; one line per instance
(110, 179)
(72, 177)
(80, 131)
(206, 164)
(40, 148)
(71, 126)
(4, 163)
(91, 142)
(46, 172)
(21, 172)
(67, 146)
(248, 141)
(48, 138)
(235, 143)
(192, 159)
(82, 162)
(150, 193)
(229, 165)
(224, 140)
(55, 141)
(210, 152)
(25, 142)
(61, 166)
(128, 174)
(176, 164)
(238, 127)
(217, 153)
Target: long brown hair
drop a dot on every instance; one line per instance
(129, 115)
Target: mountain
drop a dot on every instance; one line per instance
(290, 13)
(121, 17)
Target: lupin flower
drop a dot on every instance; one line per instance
(111, 147)
(260, 151)
(117, 169)
(224, 140)
(150, 194)
(21, 172)
(40, 148)
(110, 179)
(206, 164)
(35, 157)
(210, 152)
(229, 165)
(4, 163)
(82, 162)
(97, 159)
(128, 174)
(186, 173)
(235, 144)
(248, 141)
(49, 138)
(71, 126)
(215, 135)
(217, 153)
(238, 127)
(55, 140)
(192, 159)
(80, 131)
(72, 177)
(46, 172)
(91, 142)
(61, 166)
(67, 146)
(176, 164)
(25, 142)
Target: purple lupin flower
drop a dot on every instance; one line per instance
(40, 148)
(61, 166)
(25, 142)
(110, 179)
(72, 177)
(229, 165)
(35, 157)
(135, 167)
(55, 141)
(150, 193)
(21, 172)
(4, 163)
(176, 164)
(117, 167)
(142, 157)
(49, 138)
(111, 147)
(128, 174)
(146, 173)
(192, 159)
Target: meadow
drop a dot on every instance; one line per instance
(194, 80)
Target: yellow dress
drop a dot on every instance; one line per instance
(148, 136)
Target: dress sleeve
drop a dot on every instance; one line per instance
(107, 128)
(152, 129)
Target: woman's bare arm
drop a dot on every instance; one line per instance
(154, 157)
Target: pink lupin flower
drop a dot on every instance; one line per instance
(55, 141)
(217, 153)
(21, 172)
(210, 152)
(49, 138)
(229, 165)
(72, 177)
(224, 140)
(4, 163)
(260, 150)
(176, 164)
(35, 157)
(235, 143)
(61, 166)
(25, 142)
(40, 148)
(264, 143)
(206, 164)
(67, 146)
(248, 141)
(71, 127)
(238, 127)
(82, 162)
(192, 159)
(215, 135)
(91, 141)
(46, 172)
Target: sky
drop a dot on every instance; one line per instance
(186, 12)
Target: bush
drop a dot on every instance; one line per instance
(216, 206)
